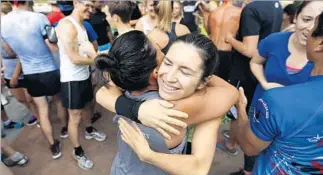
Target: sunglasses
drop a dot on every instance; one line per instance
(89, 6)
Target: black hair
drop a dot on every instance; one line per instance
(20, 2)
(318, 32)
(123, 9)
(130, 61)
(302, 6)
(207, 51)
(290, 10)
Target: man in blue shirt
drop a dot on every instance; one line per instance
(286, 129)
(25, 32)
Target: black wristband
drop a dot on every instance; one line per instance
(128, 108)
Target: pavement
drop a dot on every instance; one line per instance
(31, 142)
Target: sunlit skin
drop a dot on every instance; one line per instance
(176, 78)
(305, 20)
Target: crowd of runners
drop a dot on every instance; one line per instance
(171, 71)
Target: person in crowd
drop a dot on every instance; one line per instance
(166, 31)
(14, 79)
(76, 54)
(285, 131)
(258, 20)
(40, 71)
(177, 12)
(148, 22)
(145, 89)
(289, 18)
(224, 19)
(118, 15)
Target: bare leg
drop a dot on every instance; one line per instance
(43, 114)
(4, 116)
(61, 111)
(5, 170)
(75, 117)
(31, 104)
(6, 148)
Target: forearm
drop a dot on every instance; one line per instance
(107, 97)
(52, 47)
(17, 71)
(240, 47)
(258, 71)
(172, 163)
(240, 130)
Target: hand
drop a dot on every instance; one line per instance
(13, 82)
(158, 114)
(268, 86)
(228, 37)
(135, 139)
(243, 101)
(88, 49)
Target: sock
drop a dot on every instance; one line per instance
(7, 122)
(79, 151)
(64, 128)
(89, 129)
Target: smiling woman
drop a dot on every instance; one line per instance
(132, 64)
(284, 54)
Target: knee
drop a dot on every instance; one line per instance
(75, 117)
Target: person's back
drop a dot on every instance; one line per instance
(23, 31)
(297, 146)
(223, 20)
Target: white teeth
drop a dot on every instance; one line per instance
(169, 88)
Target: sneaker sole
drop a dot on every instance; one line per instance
(59, 154)
(90, 137)
(63, 136)
(32, 124)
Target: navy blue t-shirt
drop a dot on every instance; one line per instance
(274, 49)
(291, 118)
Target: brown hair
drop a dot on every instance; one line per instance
(121, 8)
(6, 7)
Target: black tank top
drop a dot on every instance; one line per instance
(171, 38)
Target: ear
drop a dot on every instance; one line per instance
(116, 18)
(204, 82)
(154, 74)
(319, 47)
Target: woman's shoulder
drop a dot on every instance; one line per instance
(279, 36)
(181, 30)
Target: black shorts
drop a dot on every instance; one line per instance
(43, 84)
(225, 64)
(21, 84)
(76, 94)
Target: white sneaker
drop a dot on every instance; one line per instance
(83, 161)
(97, 135)
(4, 100)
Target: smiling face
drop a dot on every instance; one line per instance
(180, 73)
(177, 9)
(85, 8)
(305, 20)
(150, 7)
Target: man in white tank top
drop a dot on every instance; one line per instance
(76, 54)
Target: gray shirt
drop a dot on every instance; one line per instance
(126, 161)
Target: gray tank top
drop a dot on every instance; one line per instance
(126, 161)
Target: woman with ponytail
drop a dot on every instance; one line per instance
(166, 31)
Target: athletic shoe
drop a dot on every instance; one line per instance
(21, 161)
(83, 161)
(38, 125)
(64, 133)
(97, 135)
(226, 134)
(56, 149)
(32, 121)
(15, 125)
